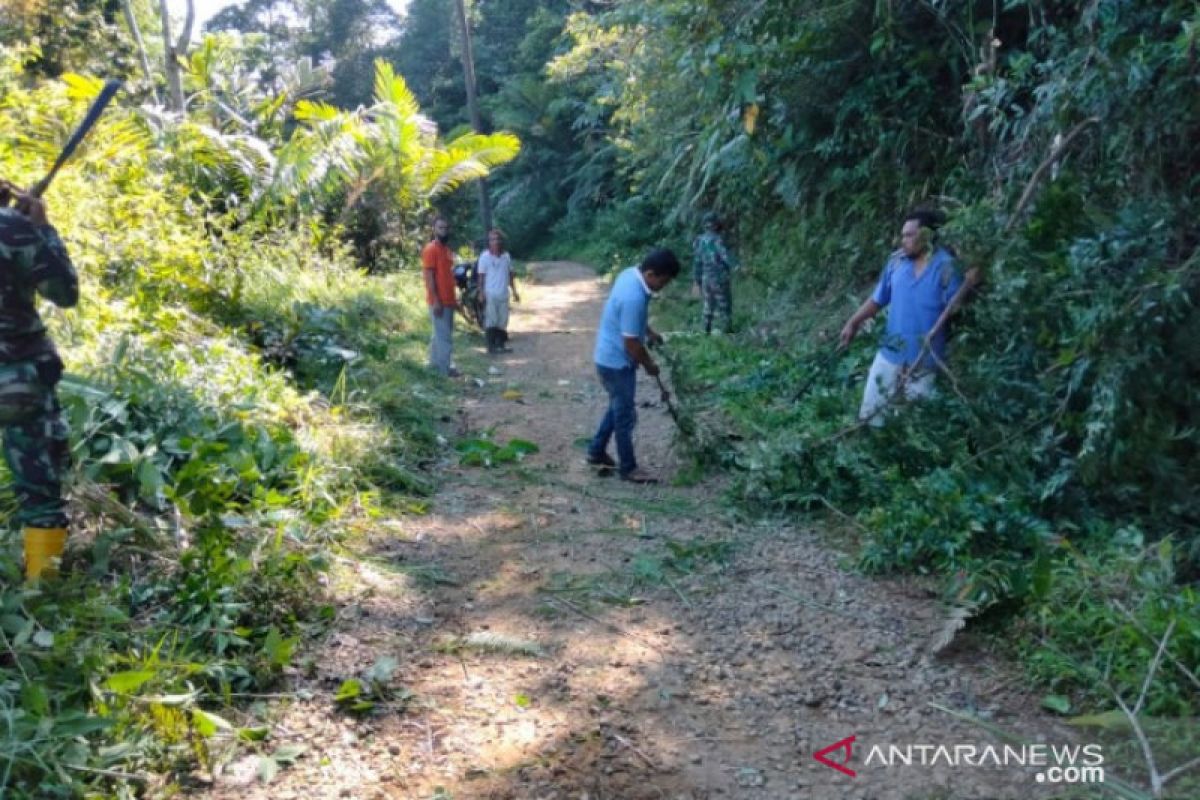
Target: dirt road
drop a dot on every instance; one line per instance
(547, 633)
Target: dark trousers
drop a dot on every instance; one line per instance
(35, 447)
(718, 303)
(620, 418)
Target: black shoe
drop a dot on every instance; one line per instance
(602, 460)
(639, 476)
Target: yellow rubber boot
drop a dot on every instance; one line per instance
(42, 547)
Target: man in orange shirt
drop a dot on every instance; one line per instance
(438, 267)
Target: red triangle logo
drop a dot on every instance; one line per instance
(845, 744)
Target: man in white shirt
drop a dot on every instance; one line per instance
(496, 275)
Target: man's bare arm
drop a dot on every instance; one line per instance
(868, 309)
(638, 352)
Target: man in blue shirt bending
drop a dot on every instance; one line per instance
(621, 343)
(919, 282)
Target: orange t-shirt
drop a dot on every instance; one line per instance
(437, 257)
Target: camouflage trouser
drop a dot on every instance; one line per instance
(35, 440)
(718, 302)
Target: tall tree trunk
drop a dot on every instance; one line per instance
(131, 21)
(468, 62)
(173, 53)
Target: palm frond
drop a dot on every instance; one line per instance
(467, 158)
(391, 90)
(83, 88)
(222, 164)
(335, 156)
(316, 111)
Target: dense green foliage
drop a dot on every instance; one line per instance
(70, 34)
(241, 394)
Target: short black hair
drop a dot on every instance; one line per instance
(661, 261)
(926, 217)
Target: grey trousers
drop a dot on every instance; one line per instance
(441, 344)
(496, 312)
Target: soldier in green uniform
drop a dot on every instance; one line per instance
(712, 264)
(33, 261)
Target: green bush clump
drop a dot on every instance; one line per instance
(241, 396)
(1096, 623)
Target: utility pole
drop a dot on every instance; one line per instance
(468, 62)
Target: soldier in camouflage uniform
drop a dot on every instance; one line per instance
(33, 261)
(712, 264)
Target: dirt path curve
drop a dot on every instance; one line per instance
(684, 654)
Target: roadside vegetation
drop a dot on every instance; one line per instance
(244, 398)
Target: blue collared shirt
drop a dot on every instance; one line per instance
(626, 314)
(916, 303)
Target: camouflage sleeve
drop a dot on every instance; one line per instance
(727, 257)
(697, 262)
(52, 271)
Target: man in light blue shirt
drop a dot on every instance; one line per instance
(621, 343)
(918, 282)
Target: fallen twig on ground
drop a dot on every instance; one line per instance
(633, 748)
(1158, 780)
(101, 502)
(612, 626)
(1142, 630)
